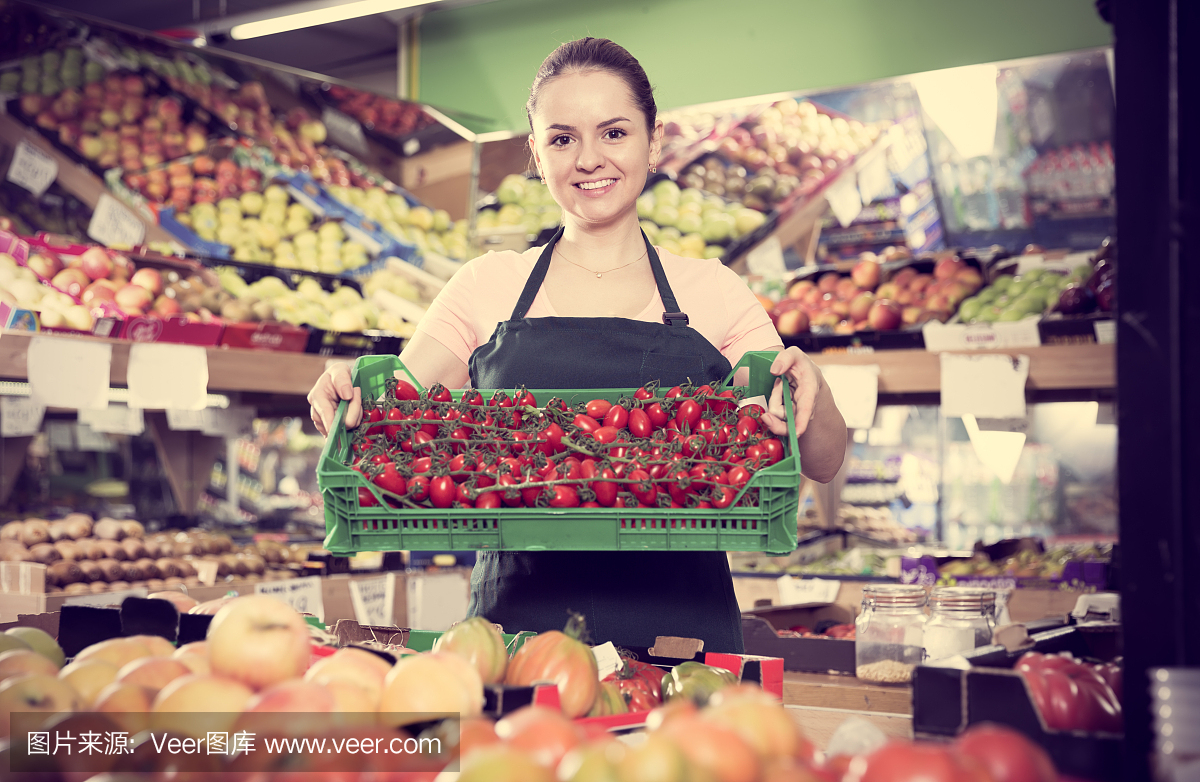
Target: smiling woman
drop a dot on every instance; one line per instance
(600, 307)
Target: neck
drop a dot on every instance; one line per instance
(584, 241)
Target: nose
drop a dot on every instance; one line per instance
(590, 156)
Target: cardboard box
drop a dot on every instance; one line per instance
(946, 701)
(22, 589)
(813, 655)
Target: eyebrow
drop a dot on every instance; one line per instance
(604, 124)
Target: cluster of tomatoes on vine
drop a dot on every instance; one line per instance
(692, 447)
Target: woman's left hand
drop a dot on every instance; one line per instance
(805, 379)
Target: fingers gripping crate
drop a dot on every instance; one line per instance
(769, 525)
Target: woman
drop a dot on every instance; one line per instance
(599, 307)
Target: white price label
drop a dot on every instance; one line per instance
(230, 422)
(69, 373)
(607, 659)
(855, 391)
(1106, 331)
(988, 386)
(32, 169)
(302, 594)
(981, 336)
(20, 416)
(844, 199)
(190, 420)
(344, 130)
(766, 260)
(114, 225)
(374, 600)
(165, 376)
(115, 419)
(807, 591)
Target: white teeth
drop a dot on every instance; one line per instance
(595, 185)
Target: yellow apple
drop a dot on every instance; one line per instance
(127, 704)
(196, 663)
(258, 641)
(22, 661)
(158, 646)
(431, 683)
(118, 651)
(291, 708)
(89, 677)
(195, 705)
(352, 704)
(182, 602)
(153, 673)
(38, 692)
(41, 642)
(354, 666)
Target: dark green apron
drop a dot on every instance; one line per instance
(628, 597)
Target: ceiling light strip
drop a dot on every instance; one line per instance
(336, 13)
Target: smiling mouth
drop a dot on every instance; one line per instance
(595, 185)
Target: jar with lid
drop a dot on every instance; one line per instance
(889, 640)
(960, 619)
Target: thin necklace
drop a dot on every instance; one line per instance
(606, 271)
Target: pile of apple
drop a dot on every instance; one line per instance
(115, 123)
(692, 223)
(860, 302)
(385, 115)
(51, 72)
(429, 230)
(198, 180)
(790, 146)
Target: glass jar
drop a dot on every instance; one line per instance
(960, 619)
(889, 641)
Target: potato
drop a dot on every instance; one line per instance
(58, 531)
(35, 531)
(90, 549)
(44, 553)
(78, 525)
(91, 570)
(112, 570)
(134, 548)
(132, 571)
(149, 568)
(63, 573)
(168, 567)
(96, 587)
(133, 529)
(76, 588)
(12, 531)
(112, 550)
(108, 529)
(68, 550)
(14, 551)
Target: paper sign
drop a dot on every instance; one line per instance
(70, 373)
(115, 419)
(344, 130)
(32, 169)
(20, 416)
(105, 599)
(981, 336)
(167, 376)
(766, 259)
(374, 600)
(984, 386)
(114, 225)
(855, 390)
(302, 594)
(230, 422)
(1106, 332)
(607, 659)
(844, 200)
(437, 600)
(874, 181)
(206, 570)
(807, 591)
(190, 420)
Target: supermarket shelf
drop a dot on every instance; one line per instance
(229, 369)
(72, 177)
(1051, 367)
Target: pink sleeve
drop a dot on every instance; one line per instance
(750, 327)
(449, 319)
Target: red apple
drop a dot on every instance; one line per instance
(149, 279)
(44, 265)
(98, 291)
(828, 282)
(947, 267)
(846, 288)
(904, 277)
(165, 307)
(884, 315)
(888, 290)
(970, 277)
(844, 327)
(860, 307)
(840, 308)
(825, 319)
(258, 641)
(920, 282)
(95, 263)
(866, 274)
(910, 315)
(133, 297)
(799, 289)
(905, 298)
(71, 281)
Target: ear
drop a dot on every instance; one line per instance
(656, 141)
(533, 153)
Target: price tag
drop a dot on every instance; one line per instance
(230, 422)
(32, 169)
(345, 130)
(302, 594)
(70, 373)
(766, 259)
(165, 376)
(844, 200)
(20, 416)
(374, 600)
(874, 181)
(981, 336)
(807, 591)
(1106, 331)
(206, 571)
(855, 390)
(607, 659)
(114, 225)
(985, 386)
(437, 600)
(190, 420)
(115, 419)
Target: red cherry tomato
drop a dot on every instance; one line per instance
(598, 408)
(488, 499)
(418, 488)
(405, 391)
(688, 412)
(616, 417)
(640, 425)
(442, 491)
(586, 423)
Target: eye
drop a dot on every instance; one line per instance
(560, 141)
(612, 134)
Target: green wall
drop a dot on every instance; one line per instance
(481, 59)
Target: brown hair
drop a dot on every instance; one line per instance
(596, 54)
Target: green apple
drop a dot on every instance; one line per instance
(8, 642)
(41, 642)
(275, 194)
(252, 203)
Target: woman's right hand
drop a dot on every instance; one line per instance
(331, 387)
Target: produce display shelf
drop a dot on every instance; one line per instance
(768, 526)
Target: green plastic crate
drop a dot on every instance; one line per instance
(770, 526)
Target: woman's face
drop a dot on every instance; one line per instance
(592, 146)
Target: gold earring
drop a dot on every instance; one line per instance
(653, 169)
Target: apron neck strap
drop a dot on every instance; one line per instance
(671, 315)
